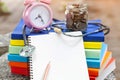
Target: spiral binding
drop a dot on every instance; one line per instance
(27, 42)
(30, 67)
(30, 61)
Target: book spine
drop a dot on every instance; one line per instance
(17, 58)
(17, 42)
(93, 45)
(92, 53)
(95, 38)
(17, 32)
(18, 70)
(93, 64)
(18, 64)
(92, 78)
(14, 49)
(93, 72)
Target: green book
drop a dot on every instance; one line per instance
(14, 49)
(93, 53)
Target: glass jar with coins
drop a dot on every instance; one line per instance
(76, 17)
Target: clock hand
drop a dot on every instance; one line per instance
(39, 16)
(36, 18)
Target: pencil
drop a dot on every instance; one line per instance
(46, 71)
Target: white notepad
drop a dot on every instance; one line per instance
(65, 54)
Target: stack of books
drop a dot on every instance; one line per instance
(99, 59)
(18, 64)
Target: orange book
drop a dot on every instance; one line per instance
(96, 72)
(19, 64)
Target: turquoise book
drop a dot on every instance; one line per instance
(17, 58)
(96, 63)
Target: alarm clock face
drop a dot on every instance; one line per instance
(39, 16)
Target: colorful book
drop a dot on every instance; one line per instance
(18, 31)
(14, 49)
(108, 69)
(92, 45)
(97, 37)
(92, 63)
(94, 53)
(16, 45)
(96, 72)
(21, 71)
(17, 42)
(19, 64)
(17, 58)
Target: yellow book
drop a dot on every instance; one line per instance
(17, 42)
(92, 45)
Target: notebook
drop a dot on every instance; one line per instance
(64, 55)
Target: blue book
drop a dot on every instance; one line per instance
(97, 37)
(17, 33)
(96, 63)
(17, 58)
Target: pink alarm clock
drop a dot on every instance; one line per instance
(37, 15)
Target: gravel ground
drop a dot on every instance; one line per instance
(3, 50)
(5, 73)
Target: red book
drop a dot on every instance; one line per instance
(21, 71)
